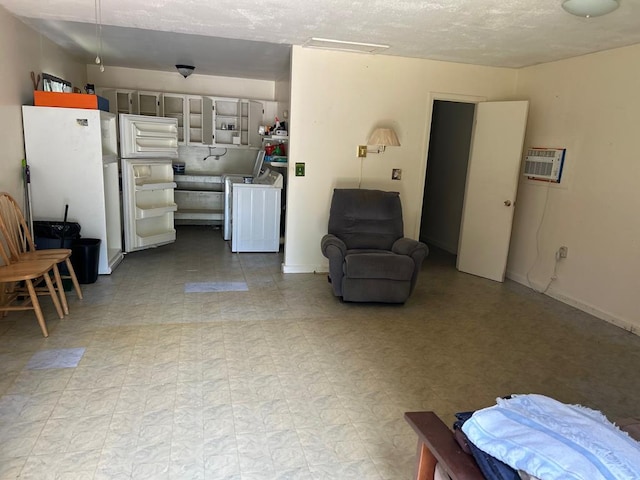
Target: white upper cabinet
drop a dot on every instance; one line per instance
(236, 122)
(226, 117)
(149, 104)
(121, 101)
(201, 120)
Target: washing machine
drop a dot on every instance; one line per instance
(227, 180)
(255, 213)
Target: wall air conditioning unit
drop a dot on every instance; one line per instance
(544, 164)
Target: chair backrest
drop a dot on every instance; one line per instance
(13, 227)
(366, 219)
(4, 256)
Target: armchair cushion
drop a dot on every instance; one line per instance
(383, 265)
(366, 218)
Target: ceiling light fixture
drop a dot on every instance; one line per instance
(329, 44)
(590, 8)
(185, 70)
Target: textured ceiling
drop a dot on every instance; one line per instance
(246, 38)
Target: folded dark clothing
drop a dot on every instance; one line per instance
(491, 467)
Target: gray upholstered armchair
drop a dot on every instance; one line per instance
(369, 258)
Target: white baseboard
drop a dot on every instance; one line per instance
(305, 268)
(585, 307)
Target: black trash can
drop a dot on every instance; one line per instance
(85, 258)
(51, 234)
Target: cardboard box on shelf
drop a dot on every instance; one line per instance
(69, 100)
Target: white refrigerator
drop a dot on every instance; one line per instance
(147, 147)
(72, 155)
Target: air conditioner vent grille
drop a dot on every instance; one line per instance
(538, 168)
(544, 164)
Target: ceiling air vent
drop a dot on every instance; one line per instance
(544, 164)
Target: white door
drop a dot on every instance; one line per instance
(492, 183)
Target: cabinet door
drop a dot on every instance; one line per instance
(173, 106)
(270, 112)
(207, 120)
(194, 109)
(149, 103)
(256, 114)
(200, 120)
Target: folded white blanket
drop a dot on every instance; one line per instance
(551, 440)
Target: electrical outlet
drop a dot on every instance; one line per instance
(299, 169)
(362, 151)
(562, 252)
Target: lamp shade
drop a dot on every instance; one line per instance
(384, 136)
(590, 8)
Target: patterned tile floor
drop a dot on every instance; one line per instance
(281, 381)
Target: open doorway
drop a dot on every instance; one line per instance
(444, 188)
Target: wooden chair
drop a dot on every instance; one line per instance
(437, 445)
(21, 245)
(31, 272)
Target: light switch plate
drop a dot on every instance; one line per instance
(396, 174)
(299, 169)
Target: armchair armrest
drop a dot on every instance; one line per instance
(414, 249)
(335, 250)
(408, 246)
(332, 246)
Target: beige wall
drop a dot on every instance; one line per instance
(283, 95)
(23, 51)
(591, 106)
(156, 81)
(337, 99)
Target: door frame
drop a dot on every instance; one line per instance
(432, 97)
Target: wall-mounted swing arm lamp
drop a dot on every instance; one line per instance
(381, 138)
